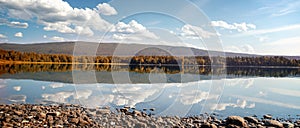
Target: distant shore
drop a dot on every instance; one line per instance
(28, 62)
(77, 63)
(68, 115)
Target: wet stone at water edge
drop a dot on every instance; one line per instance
(67, 115)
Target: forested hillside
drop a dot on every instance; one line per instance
(15, 56)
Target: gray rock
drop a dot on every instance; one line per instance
(232, 126)
(136, 113)
(159, 120)
(236, 120)
(18, 112)
(5, 124)
(273, 123)
(198, 121)
(82, 122)
(140, 125)
(42, 115)
(103, 111)
(208, 125)
(297, 122)
(288, 125)
(74, 120)
(251, 119)
(267, 116)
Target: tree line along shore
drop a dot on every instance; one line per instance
(203, 70)
(36, 58)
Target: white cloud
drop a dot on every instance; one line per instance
(195, 32)
(2, 86)
(58, 15)
(2, 36)
(83, 94)
(106, 9)
(246, 83)
(263, 38)
(280, 8)
(239, 104)
(268, 102)
(133, 31)
(285, 46)
(246, 48)
(14, 24)
(44, 36)
(17, 98)
(62, 97)
(17, 88)
(18, 24)
(84, 31)
(57, 38)
(189, 97)
(240, 27)
(2, 83)
(19, 34)
(56, 85)
(287, 92)
(271, 30)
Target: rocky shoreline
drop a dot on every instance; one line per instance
(68, 115)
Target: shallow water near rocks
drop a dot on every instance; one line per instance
(171, 93)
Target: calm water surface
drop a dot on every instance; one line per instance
(244, 91)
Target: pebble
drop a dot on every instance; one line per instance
(208, 125)
(18, 112)
(273, 123)
(288, 125)
(267, 116)
(26, 115)
(251, 119)
(103, 111)
(74, 120)
(236, 120)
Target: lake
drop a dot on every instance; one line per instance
(173, 90)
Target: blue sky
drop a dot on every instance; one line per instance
(252, 26)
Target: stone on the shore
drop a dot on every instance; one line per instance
(7, 124)
(136, 113)
(251, 119)
(42, 115)
(152, 109)
(198, 121)
(74, 120)
(288, 125)
(208, 125)
(77, 116)
(18, 112)
(273, 123)
(298, 122)
(267, 116)
(83, 122)
(236, 120)
(159, 120)
(103, 111)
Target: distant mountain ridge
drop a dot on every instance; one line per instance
(117, 49)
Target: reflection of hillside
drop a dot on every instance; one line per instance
(137, 73)
(18, 68)
(263, 72)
